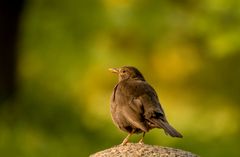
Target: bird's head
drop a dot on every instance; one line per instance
(127, 72)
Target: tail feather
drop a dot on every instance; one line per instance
(166, 127)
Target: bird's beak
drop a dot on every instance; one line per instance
(114, 70)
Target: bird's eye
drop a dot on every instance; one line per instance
(123, 71)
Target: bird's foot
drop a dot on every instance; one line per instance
(141, 141)
(125, 141)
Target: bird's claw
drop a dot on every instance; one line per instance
(124, 142)
(141, 141)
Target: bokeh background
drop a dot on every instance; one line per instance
(188, 50)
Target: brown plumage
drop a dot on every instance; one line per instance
(135, 107)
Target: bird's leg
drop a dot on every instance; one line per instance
(125, 141)
(141, 140)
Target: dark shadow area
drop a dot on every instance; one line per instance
(10, 18)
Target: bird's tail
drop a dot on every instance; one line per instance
(169, 130)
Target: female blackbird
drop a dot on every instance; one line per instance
(135, 107)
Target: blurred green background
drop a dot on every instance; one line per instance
(189, 51)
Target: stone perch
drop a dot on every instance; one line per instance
(142, 150)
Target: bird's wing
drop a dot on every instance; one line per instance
(148, 97)
(134, 117)
(153, 112)
(143, 103)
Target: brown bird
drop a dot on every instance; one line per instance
(135, 107)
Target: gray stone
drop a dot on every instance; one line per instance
(142, 150)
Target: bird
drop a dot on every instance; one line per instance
(135, 107)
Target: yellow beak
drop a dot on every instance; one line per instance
(114, 70)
